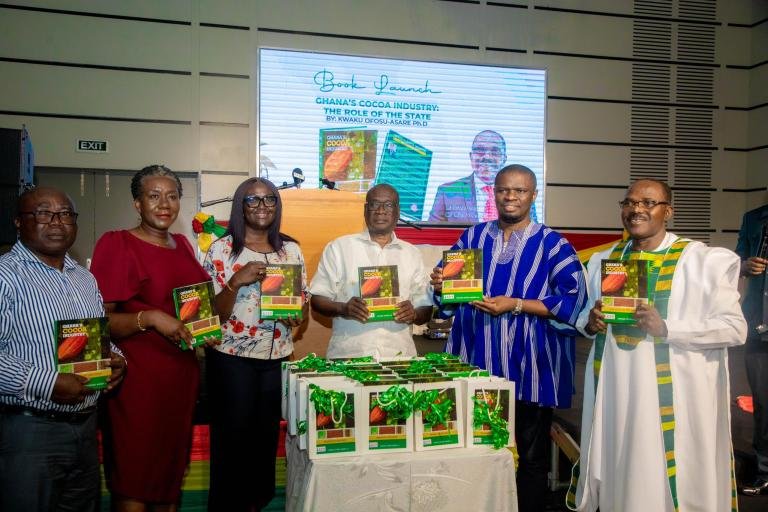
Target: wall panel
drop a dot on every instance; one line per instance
(94, 92)
(91, 40)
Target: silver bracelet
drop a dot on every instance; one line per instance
(518, 307)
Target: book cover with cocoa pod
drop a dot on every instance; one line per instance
(83, 347)
(194, 306)
(623, 286)
(462, 276)
(380, 290)
(281, 292)
(348, 157)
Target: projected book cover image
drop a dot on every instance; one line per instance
(194, 307)
(462, 276)
(348, 157)
(281, 292)
(405, 165)
(380, 290)
(82, 347)
(623, 286)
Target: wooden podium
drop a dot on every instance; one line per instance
(314, 217)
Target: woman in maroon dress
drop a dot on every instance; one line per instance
(150, 416)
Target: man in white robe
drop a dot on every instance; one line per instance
(626, 462)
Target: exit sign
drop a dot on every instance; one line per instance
(92, 146)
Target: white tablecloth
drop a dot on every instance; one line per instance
(477, 479)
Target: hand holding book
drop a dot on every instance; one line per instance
(355, 309)
(648, 319)
(70, 388)
(596, 322)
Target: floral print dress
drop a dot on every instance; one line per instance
(245, 333)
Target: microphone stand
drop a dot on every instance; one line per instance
(409, 223)
(212, 202)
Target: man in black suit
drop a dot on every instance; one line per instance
(752, 247)
(470, 200)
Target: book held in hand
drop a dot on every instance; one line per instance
(194, 307)
(380, 290)
(281, 293)
(83, 347)
(462, 276)
(623, 286)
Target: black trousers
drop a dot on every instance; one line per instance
(532, 426)
(48, 465)
(244, 396)
(756, 357)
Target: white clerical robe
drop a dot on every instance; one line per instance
(623, 466)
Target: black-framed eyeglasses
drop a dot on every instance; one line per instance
(46, 216)
(645, 204)
(255, 201)
(386, 205)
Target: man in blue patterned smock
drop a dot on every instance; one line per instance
(534, 288)
(655, 428)
(48, 454)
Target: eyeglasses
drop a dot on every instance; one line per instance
(46, 216)
(646, 204)
(255, 201)
(388, 206)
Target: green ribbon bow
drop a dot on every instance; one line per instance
(397, 402)
(433, 412)
(312, 362)
(484, 415)
(440, 357)
(330, 402)
(420, 366)
(360, 375)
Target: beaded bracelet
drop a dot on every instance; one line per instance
(518, 307)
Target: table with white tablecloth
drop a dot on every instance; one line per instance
(457, 479)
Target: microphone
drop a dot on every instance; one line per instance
(298, 177)
(331, 185)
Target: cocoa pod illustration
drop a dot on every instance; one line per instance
(453, 269)
(72, 346)
(613, 283)
(189, 309)
(271, 284)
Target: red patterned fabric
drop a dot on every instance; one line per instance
(490, 204)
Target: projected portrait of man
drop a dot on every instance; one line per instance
(470, 199)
